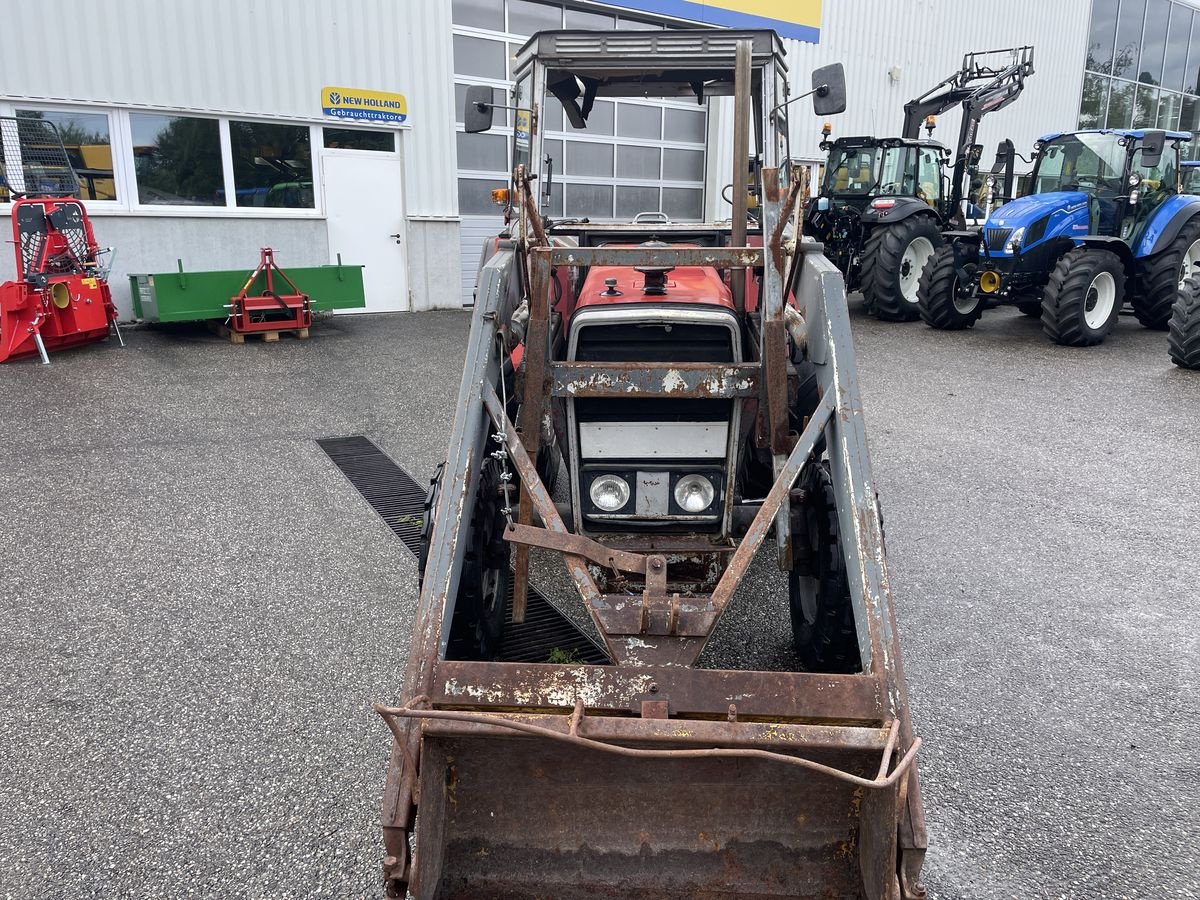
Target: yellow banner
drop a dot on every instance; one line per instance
(357, 103)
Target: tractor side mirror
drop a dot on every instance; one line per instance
(1153, 144)
(478, 109)
(829, 90)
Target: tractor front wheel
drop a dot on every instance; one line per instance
(1084, 297)
(1160, 277)
(1183, 339)
(945, 302)
(482, 603)
(818, 588)
(892, 262)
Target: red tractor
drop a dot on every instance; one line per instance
(60, 297)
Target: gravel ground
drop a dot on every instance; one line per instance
(197, 609)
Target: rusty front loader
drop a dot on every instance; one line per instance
(692, 389)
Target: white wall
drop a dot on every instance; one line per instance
(265, 58)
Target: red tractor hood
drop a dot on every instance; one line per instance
(686, 284)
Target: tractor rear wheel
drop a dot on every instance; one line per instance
(1160, 277)
(892, 262)
(1084, 297)
(818, 589)
(945, 302)
(1183, 340)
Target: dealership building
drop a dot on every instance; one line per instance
(204, 131)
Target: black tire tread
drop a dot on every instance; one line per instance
(935, 295)
(830, 644)
(1183, 335)
(1156, 283)
(1062, 319)
(882, 256)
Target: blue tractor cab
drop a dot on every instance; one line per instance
(1108, 221)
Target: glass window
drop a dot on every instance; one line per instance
(1103, 33)
(555, 207)
(552, 114)
(637, 162)
(478, 14)
(683, 125)
(482, 152)
(359, 139)
(1191, 80)
(1087, 162)
(600, 119)
(634, 200)
(1129, 38)
(578, 18)
(1145, 106)
(272, 165)
(1120, 105)
(475, 196)
(1168, 110)
(1094, 102)
(929, 176)
(595, 200)
(851, 170)
(525, 17)
(1189, 116)
(475, 56)
(1154, 41)
(588, 159)
(683, 165)
(177, 160)
(683, 204)
(86, 139)
(640, 121)
(554, 150)
(1175, 63)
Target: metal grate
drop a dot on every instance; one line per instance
(33, 161)
(997, 238)
(400, 501)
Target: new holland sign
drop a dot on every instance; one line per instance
(797, 19)
(355, 103)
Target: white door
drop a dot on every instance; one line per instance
(364, 211)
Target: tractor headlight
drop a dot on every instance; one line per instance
(609, 492)
(694, 493)
(1013, 244)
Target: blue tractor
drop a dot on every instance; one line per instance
(1107, 222)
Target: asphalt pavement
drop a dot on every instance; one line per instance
(197, 610)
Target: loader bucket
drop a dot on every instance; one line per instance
(524, 818)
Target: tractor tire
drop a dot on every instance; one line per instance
(1183, 339)
(1160, 277)
(819, 594)
(757, 474)
(1084, 297)
(892, 262)
(482, 602)
(941, 304)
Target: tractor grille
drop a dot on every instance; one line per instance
(400, 502)
(997, 237)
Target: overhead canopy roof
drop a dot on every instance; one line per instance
(677, 63)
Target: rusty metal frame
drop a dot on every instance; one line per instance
(634, 709)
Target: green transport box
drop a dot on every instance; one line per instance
(191, 296)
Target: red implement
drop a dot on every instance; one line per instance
(269, 310)
(60, 297)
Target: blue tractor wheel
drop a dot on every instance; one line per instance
(1083, 297)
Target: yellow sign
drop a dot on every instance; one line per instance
(797, 19)
(356, 103)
